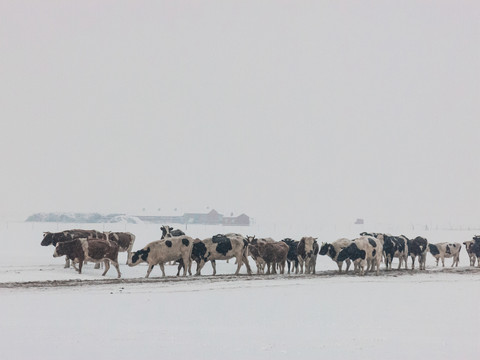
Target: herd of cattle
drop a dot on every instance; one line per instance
(366, 252)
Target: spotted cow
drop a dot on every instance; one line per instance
(469, 246)
(333, 249)
(394, 247)
(168, 231)
(365, 252)
(307, 251)
(418, 248)
(224, 247)
(441, 251)
(124, 241)
(162, 251)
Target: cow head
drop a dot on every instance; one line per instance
(47, 239)
(166, 231)
(251, 240)
(309, 245)
(138, 257)
(324, 248)
(59, 250)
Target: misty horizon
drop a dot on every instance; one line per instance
(300, 112)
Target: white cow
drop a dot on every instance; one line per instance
(445, 250)
(162, 251)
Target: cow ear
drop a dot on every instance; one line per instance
(170, 228)
(148, 250)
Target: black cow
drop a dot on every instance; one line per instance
(292, 256)
(418, 248)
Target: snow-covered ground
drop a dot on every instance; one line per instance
(396, 315)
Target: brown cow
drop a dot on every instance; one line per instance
(69, 235)
(269, 253)
(94, 250)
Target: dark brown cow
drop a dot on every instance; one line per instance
(68, 235)
(270, 253)
(94, 250)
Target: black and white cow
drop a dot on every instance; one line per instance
(418, 248)
(394, 247)
(168, 231)
(333, 249)
(224, 247)
(365, 251)
(475, 248)
(469, 246)
(307, 251)
(445, 250)
(124, 240)
(162, 251)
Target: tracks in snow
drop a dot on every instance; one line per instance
(228, 278)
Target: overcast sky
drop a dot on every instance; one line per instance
(300, 110)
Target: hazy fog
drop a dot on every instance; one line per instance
(299, 110)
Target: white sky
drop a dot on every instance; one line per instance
(301, 110)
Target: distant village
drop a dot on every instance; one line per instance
(211, 218)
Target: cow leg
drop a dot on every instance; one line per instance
(107, 267)
(443, 262)
(180, 265)
(245, 261)
(300, 263)
(162, 267)
(67, 263)
(117, 267)
(186, 262)
(200, 265)
(80, 265)
(150, 268)
(239, 264)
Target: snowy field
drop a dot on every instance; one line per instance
(397, 315)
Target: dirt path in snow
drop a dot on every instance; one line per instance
(230, 278)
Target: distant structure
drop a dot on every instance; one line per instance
(359, 222)
(211, 218)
